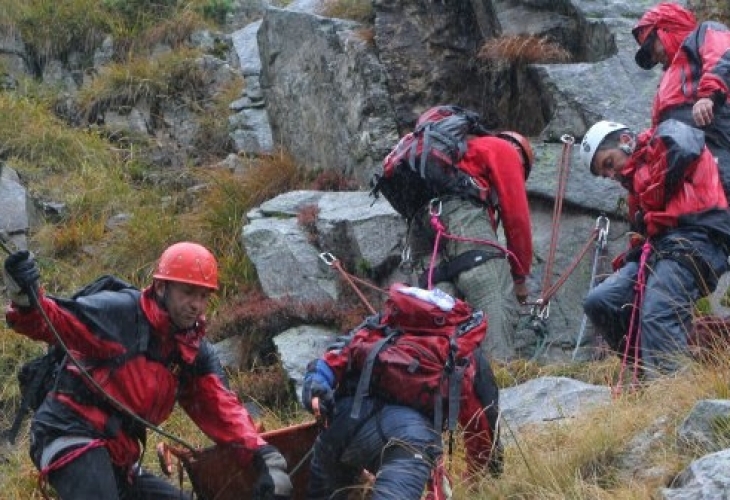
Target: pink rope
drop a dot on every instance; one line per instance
(634, 322)
(440, 229)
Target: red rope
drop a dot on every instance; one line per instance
(440, 229)
(547, 295)
(564, 167)
(62, 462)
(635, 322)
(330, 260)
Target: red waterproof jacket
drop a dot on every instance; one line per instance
(699, 68)
(699, 65)
(185, 369)
(495, 164)
(672, 179)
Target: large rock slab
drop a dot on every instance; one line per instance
(326, 92)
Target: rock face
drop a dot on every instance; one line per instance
(327, 99)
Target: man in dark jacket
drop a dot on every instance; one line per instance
(695, 86)
(676, 201)
(146, 350)
(376, 428)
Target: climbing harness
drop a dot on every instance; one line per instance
(439, 228)
(602, 225)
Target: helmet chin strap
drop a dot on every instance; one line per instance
(628, 147)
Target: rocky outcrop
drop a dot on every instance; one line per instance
(327, 98)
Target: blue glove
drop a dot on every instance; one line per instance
(318, 383)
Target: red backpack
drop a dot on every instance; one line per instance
(418, 352)
(422, 166)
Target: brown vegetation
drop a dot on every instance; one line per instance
(523, 49)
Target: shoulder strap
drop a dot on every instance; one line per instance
(367, 371)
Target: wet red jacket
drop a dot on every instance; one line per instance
(673, 179)
(699, 67)
(497, 165)
(185, 369)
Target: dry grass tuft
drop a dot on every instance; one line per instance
(307, 220)
(355, 10)
(523, 49)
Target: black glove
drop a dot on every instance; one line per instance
(273, 482)
(21, 275)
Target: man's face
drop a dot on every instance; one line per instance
(608, 163)
(185, 303)
(658, 54)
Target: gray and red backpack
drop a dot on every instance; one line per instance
(423, 165)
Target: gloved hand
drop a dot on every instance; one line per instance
(318, 384)
(21, 275)
(521, 292)
(273, 482)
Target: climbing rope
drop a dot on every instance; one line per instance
(333, 261)
(633, 337)
(543, 310)
(602, 225)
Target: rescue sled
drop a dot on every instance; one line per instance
(215, 476)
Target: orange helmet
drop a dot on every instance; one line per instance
(187, 262)
(519, 140)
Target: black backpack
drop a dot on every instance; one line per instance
(422, 166)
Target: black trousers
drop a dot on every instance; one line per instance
(92, 476)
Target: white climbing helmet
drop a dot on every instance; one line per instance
(594, 137)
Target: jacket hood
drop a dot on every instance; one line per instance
(671, 23)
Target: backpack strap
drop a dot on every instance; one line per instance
(367, 372)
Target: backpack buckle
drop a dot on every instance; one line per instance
(434, 207)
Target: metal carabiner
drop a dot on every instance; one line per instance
(434, 202)
(541, 310)
(567, 139)
(328, 258)
(603, 224)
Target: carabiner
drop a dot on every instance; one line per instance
(602, 224)
(328, 258)
(567, 139)
(541, 310)
(435, 202)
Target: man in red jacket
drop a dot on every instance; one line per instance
(388, 424)
(474, 261)
(677, 203)
(695, 86)
(147, 351)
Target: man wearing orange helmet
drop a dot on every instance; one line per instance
(696, 81)
(472, 260)
(135, 354)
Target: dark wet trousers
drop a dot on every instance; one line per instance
(672, 288)
(91, 476)
(396, 443)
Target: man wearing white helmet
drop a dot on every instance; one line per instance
(677, 203)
